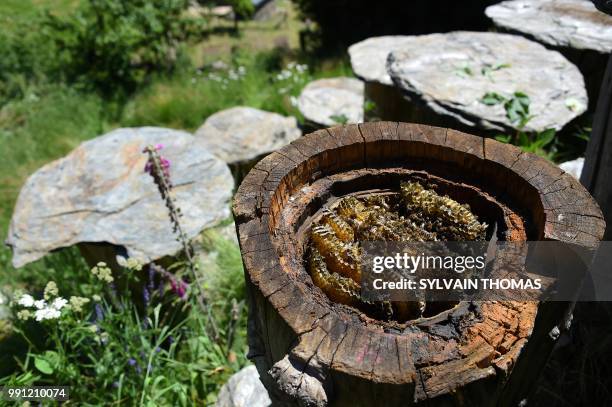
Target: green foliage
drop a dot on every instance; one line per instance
(113, 45)
(244, 9)
(539, 143)
(517, 111)
(122, 348)
(193, 95)
(339, 118)
(516, 106)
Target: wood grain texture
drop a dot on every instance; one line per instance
(310, 351)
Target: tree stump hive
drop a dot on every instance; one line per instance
(311, 351)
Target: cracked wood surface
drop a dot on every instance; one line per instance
(469, 354)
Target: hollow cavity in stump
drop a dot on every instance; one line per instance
(415, 214)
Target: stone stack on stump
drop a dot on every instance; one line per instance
(241, 136)
(326, 102)
(368, 60)
(574, 27)
(100, 198)
(312, 351)
(446, 76)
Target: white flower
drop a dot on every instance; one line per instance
(1, 299)
(40, 304)
(26, 300)
(47, 313)
(59, 303)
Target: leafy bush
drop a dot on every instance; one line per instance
(114, 45)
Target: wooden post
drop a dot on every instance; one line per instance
(311, 351)
(597, 172)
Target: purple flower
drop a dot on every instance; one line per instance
(99, 312)
(151, 279)
(132, 362)
(159, 146)
(146, 296)
(179, 288)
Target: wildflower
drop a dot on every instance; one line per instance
(46, 314)
(59, 303)
(179, 288)
(40, 304)
(102, 272)
(51, 290)
(132, 362)
(93, 328)
(26, 300)
(134, 264)
(146, 296)
(99, 312)
(76, 303)
(104, 337)
(96, 298)
(24, 315)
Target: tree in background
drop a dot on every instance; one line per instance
(115, 45)
(340, 23)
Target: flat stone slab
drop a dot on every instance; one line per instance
(100, 193)
(451, 73)
(563, 23)
(244, 389)
(242, 134)
(325, 101)
(369, 57)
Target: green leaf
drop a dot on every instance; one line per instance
(545, 137)
(492, 98)
(43, 365)
(504, 138)
(339, 118)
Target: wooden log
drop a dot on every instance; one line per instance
(597, 170)
(311, 351)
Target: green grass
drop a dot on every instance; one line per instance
(13, 12)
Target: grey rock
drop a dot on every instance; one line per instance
(450, 73)
(573, 167)
(369, 57)
(565, 23)
(242, 134)
(244, 389)
(323, 99)
(100, 193)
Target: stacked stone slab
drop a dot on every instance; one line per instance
(574, 27)
(241, 136)
(368, 60)
(446, 76)
(327, 102)
(100, 198)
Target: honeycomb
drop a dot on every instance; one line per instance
(415, 213)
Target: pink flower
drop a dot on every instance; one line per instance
(179, 288)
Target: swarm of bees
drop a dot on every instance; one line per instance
(416, 214)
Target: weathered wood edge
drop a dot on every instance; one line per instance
(569, 214)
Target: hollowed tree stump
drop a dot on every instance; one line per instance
(310, 351)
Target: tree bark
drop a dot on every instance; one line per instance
(311, 351)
